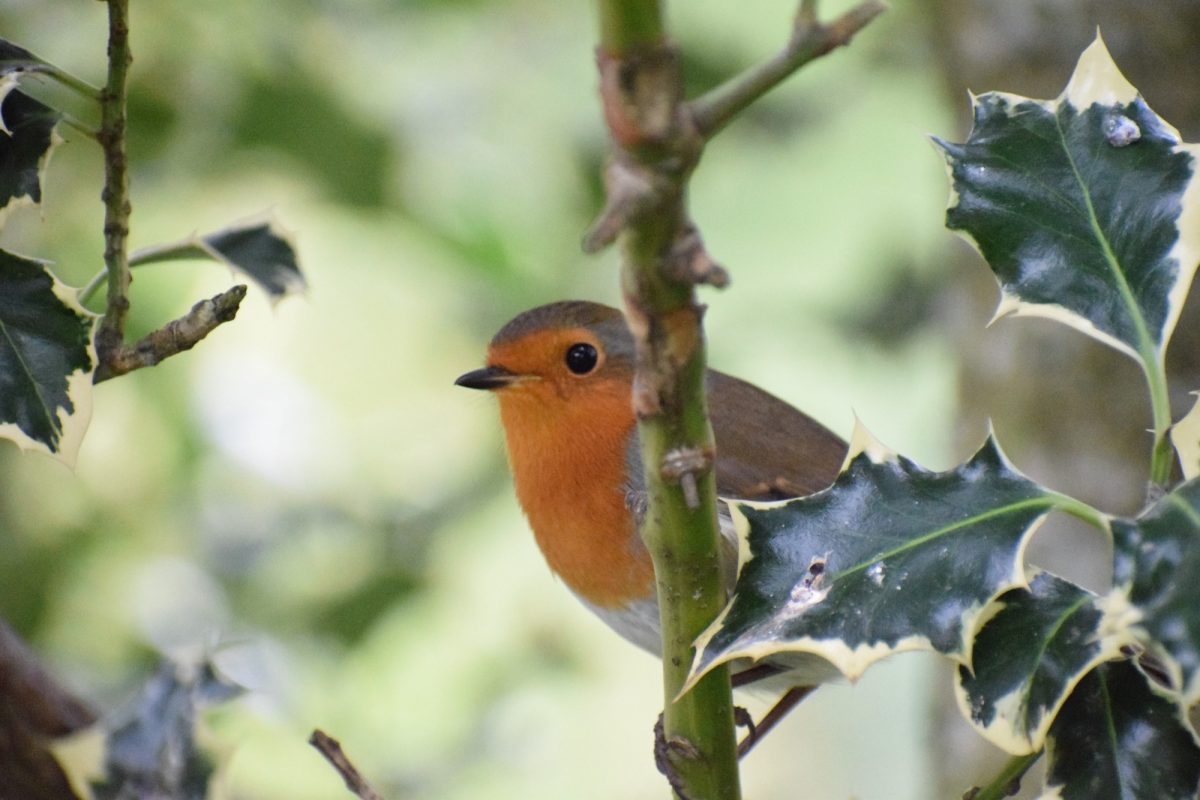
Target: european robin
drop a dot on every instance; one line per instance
(563, 375)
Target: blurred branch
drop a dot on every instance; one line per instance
(329, 747)
(110, 337)
(33, 709)
(174, 337)
(810, 40)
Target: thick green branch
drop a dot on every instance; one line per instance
(111, 334)
(810, 40)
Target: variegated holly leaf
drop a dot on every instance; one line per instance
(892, 557)
(152, 752)
(1185, 435)
(46, 360)
(262, 250)
(1029, 656)
(15, 61)
(1156, 569)
(1085, 207)
(26, 142)
(1115, 737)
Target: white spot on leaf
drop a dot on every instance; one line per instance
(1121, 131)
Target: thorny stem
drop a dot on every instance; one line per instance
(111, 333)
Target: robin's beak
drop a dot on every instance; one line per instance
(488, 378)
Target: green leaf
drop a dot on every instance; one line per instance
(1117, 738)
(261, 250)
(1185, 435)
(46, 360)
(152, 752)
(1156, 568)
(892, 557)
(26, 142)
(1030, 655)
(1085, 207)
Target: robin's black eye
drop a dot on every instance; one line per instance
(581, 358)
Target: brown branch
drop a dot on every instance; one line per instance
(329, 747)
(810, 40)
(174, 337)
(34, 708)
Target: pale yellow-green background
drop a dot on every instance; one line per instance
(307, 497)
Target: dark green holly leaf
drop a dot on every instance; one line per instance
(892, 557)
(261, 250)
(46, 360)
(1156, 568)
(1029, 656)
(1117, 738)
(1085, 207)
(26, 142)
(152, 752)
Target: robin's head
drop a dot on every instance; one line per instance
(562, 351)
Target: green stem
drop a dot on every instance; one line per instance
(111, 333)
(1081, 510)
(627, 25)
(1001, 786)
(77, 85)
(810, 40)
(1162, 456)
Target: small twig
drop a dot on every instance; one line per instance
(809, 41)
(174, 337)
(110, 336)
(329, 747)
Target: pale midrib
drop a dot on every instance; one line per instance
(53, 422)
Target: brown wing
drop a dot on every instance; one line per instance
(777, 451)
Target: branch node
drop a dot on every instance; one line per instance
(682, 465)
(173, 338)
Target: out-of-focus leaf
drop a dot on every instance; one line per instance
(1156, 569)
(1030, 655)
(260, 250)
(1116, 738)
(46, 360)
(1085, 207)
(26, 142)
(892, 557)
(152, 752)
(1185, 435)
(15, 61)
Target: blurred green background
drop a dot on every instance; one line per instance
(308, 498)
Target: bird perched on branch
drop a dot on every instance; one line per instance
(563, 375)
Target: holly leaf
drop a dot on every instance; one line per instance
(1156, 569)
(47, 360)
(261, 250)
(152, 751)
(1185, 435)
(15, 61)
(1117, 738)
(1029, 656)
(891, 557)
(1085, 207)
(26, 142)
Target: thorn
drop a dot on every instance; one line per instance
(689, 262)
(629, 191)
